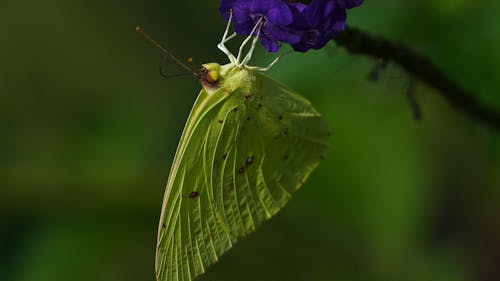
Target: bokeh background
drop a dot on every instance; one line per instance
(88, 130)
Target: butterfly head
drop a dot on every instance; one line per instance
(229, 77)
(209, 76)
(210, 72)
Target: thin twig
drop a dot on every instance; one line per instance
(360, 42)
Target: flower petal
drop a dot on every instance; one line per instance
(265, 5)
(282, 34)
(269, 44)
(348, 4)
(244, 28)
(225, 6)
(280, 15)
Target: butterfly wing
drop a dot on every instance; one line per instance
(241, 157)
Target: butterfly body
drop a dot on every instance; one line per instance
(248, 145)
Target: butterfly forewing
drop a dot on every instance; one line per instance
(241, 157)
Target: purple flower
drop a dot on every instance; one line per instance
(276, 15)
(303, 26)
(317, 23)
(348, 4)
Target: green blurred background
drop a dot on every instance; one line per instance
(88, 130)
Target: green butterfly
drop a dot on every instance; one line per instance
(249, 143)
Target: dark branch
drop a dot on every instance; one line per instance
(359, 42)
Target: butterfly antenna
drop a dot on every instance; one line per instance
(174, 58)
(165, 75)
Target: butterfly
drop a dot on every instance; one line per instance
(249, 143)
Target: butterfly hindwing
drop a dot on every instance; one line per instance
(241, 157)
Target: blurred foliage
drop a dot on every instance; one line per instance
(88, 129)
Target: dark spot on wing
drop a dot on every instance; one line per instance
(248, 96)
(235, 109)
(285, 132)
(193, 194)
(280, 117)
(224, 157)
(248, 118)
(249, 160)
(241, 170)
(259, 105)
(221, 121)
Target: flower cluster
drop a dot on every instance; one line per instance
(303, 26)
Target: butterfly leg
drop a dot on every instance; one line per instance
(270, 65)
(252, 49)
(225, 38)
(224, 49)
(249, 37)
(263, 69)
